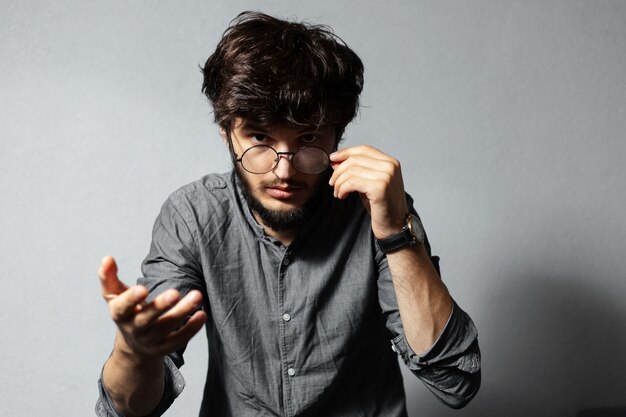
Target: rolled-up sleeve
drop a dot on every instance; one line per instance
(451, 367)
(174, 384)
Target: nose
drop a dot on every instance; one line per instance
(284, 168)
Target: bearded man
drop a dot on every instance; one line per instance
(307, 264)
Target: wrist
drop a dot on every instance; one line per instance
(392, 225)
(125, 355)
(411, 234)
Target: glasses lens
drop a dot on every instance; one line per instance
(311, 160)
(259, 159)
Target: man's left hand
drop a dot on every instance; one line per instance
(377, 178)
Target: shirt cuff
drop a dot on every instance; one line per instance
(453, 347)
(174, 385)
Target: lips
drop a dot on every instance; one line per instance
(282, 192)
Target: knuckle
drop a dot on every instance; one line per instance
(115, 317)
(115, 310)
(391, 165)
(140, 321)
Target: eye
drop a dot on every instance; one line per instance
(308, 139)
(258, 137)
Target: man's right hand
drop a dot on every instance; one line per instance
(149, 330)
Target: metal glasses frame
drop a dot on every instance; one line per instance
(289, 155)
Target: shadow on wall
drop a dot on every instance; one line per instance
(554, 346)
(603, 412)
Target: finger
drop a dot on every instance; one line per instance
(371, 183)
(345, 153)
(128, 303)
(364, 163)
(362, 166)
(353, 184)
(150, 312)
(184, 307)
(154, 321)
(178, 339)
(368, 161)
(110, 285)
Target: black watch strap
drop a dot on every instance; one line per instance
(393, 242)
(411, 234)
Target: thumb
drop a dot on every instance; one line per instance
(110, 284)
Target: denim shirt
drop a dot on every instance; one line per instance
(308, 329)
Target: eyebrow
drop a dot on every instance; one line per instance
(252, 125)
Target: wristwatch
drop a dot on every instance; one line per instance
(411, 234)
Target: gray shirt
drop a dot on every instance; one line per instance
(312, 329)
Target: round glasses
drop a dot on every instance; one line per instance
(262, 159)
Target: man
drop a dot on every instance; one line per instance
(307, 264)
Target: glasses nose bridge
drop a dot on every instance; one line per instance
(284, 170)
(288, 155)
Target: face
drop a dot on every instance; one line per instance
(281, 198)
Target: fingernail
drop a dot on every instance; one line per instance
(170, 297)
(137, 292)
(193, 298)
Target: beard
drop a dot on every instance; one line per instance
(280, 220)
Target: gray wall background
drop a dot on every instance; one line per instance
(508, 116)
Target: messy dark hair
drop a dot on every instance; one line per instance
(274, 71)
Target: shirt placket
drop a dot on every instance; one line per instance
(289, 367)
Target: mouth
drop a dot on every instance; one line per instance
(282, 192)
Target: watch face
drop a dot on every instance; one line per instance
(417, 230)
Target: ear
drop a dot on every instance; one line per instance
(224, 135)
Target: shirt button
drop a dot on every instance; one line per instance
(291, 371)
(286, 261)
(286, 317)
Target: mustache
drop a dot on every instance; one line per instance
(323, 178)
(283, 184)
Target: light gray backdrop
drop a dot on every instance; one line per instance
(508, 117)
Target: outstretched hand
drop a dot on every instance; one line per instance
(149, 329)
